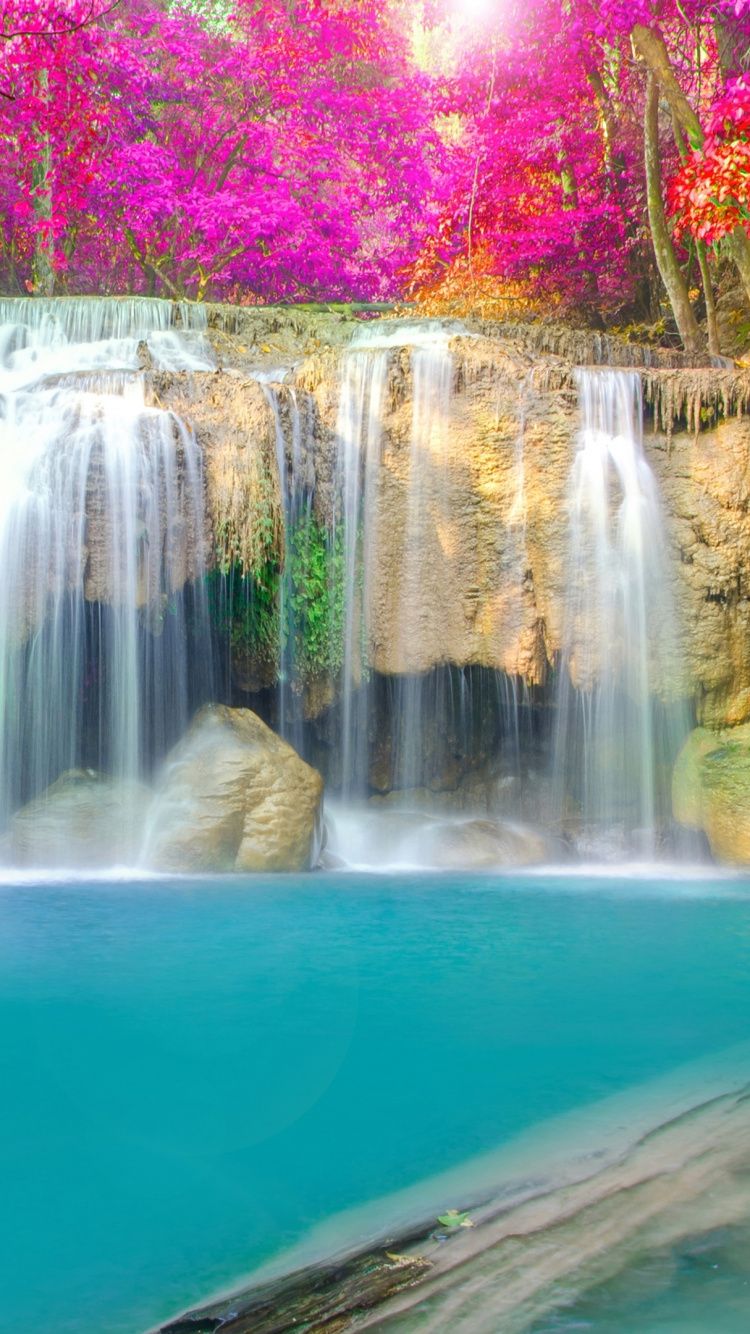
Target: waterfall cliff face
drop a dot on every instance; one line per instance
(452, 571)
(101, 540)
(619, 722)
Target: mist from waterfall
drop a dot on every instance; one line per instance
(620, 719)
(102, 540)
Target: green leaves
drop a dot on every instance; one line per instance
(248, 607)
(316, 575)
(245, 608)
(453, 1220)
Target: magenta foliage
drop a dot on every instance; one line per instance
(288, 152)
(547, 173)
(295, 149)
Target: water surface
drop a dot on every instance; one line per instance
(197, 1074)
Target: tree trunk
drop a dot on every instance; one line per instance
(714, 345)
(738, 245)
(732, 43)
(41, 177)
(649, 45)
(666, 258)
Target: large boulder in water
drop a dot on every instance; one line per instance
(711, 790)
(85, 820)
(235, 797)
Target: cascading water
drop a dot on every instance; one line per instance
(408, 733)
(358, 467)
(101, 541)
(284, 405)
(427, 515)
(358, 436)
(618, 723)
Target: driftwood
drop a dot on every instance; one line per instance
(313, 1300)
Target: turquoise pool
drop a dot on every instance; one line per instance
(198, 1075)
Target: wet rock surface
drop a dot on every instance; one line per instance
(84, 820)
(495, 504)
(711, 790)
(234, 797)
(526, 1254)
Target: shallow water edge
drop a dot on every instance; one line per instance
(572, 1203)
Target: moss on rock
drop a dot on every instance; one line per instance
(711, 790)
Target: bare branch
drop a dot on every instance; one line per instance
(93, 16)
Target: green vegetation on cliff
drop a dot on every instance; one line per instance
(298, 610)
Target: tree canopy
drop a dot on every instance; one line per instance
(585, 153)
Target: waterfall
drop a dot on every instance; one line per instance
(618, 723)
(102, 540)
(104, 619)
(284, 405)
(358, 463)
(358, 438)
(427, 513)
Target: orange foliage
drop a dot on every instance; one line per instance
(474, 288)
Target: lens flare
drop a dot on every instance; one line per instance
(473, 11)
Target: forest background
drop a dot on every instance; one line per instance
(586, 158)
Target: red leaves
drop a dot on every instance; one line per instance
(710, 194)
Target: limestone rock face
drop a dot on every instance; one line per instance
(495, 504)
(235, 797)
(705, 484)
(235, 430)
(486, 587)
(84, 820)
(711, 790)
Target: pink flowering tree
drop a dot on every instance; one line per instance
(282, 152)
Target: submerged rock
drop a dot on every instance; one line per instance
(235, 797)
(711, 790)
(381, 835)
(84, 820)
(474, 844)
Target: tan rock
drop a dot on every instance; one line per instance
(711, 790)
(85, 819)
(234, 427)
(235, 797)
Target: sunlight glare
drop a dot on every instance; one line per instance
(473, 11)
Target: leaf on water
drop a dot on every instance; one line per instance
(454, 1219)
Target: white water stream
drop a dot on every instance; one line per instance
(101, 525)
(616, 725)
